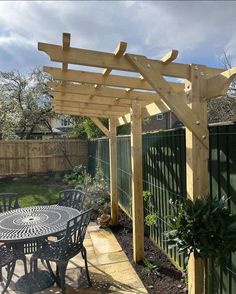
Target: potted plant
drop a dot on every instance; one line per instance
(105, 216)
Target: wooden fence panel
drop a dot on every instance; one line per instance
(40, 156)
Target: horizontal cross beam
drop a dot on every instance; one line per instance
(98, 79)
(104, 92)
(108, 60)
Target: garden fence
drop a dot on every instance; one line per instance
(164, 175)
(41, 156)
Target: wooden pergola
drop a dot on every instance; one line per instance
(125, 99)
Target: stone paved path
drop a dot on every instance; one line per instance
(109, 267)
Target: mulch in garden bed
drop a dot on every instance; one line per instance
(165, 279)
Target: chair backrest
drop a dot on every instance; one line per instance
(8, 201)
(75, 232)
(72, 198)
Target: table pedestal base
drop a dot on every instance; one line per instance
(34, 281)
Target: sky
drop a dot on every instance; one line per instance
(200, 30)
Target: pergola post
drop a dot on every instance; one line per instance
(196, 168)
(113, 170)
(137, 182)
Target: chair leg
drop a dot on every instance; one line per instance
(84, 255)
(9, 276)
(25, 265)
(55, 277)
(62, 273)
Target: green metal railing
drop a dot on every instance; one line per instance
(164, 175)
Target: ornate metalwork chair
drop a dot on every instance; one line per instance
(8, 258)
(72, 198)
(8, 201)
(61, 251)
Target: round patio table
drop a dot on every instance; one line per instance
(29, 224)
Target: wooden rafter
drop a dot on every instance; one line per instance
(97, 78)
(86, 112)
(81, 106)
(104, 92)
(107, 60)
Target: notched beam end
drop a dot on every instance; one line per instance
(170, 56)
(66, 41)
(219, 85)
(120, 50)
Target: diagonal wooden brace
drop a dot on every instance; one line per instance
(173, 99)
(100, 125)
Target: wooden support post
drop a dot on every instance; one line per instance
(137, 182)
(197, 169)
(113, 170)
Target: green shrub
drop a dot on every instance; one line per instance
(203, 227)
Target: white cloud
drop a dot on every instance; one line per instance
(200, 30)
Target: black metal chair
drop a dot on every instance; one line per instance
(8, 258)
(72, 198)
(61, 251)
(8, 201)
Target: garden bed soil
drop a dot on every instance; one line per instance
(167, 279)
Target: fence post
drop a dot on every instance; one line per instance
(113, 170)
(137, 182)
(196, 168)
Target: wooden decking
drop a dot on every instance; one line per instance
(109, 267)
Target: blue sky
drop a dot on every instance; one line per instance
(200, 30)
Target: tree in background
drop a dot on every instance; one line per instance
(223, 108)
(25, 104)
(85, 128)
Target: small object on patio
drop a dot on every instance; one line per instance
(72, 198)
(8, 201)
(104, 220)
(8, 257)
(61, 251)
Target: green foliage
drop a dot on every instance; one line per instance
(96, 188)
(150, 219)
(152, 266)
(85, 128)
(204, 227)
(147, 196)
(78, 176)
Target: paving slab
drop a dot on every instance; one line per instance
(109, 267)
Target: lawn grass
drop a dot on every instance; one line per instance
(31, 194)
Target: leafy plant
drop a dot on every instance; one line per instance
(151, 219)
(147, 196)
(203, 227)
(152, 266)
(78, 177)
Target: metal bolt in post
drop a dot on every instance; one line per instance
(197, 122)
(203, 137)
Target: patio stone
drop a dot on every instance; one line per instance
(104, 241)
(109, 267)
